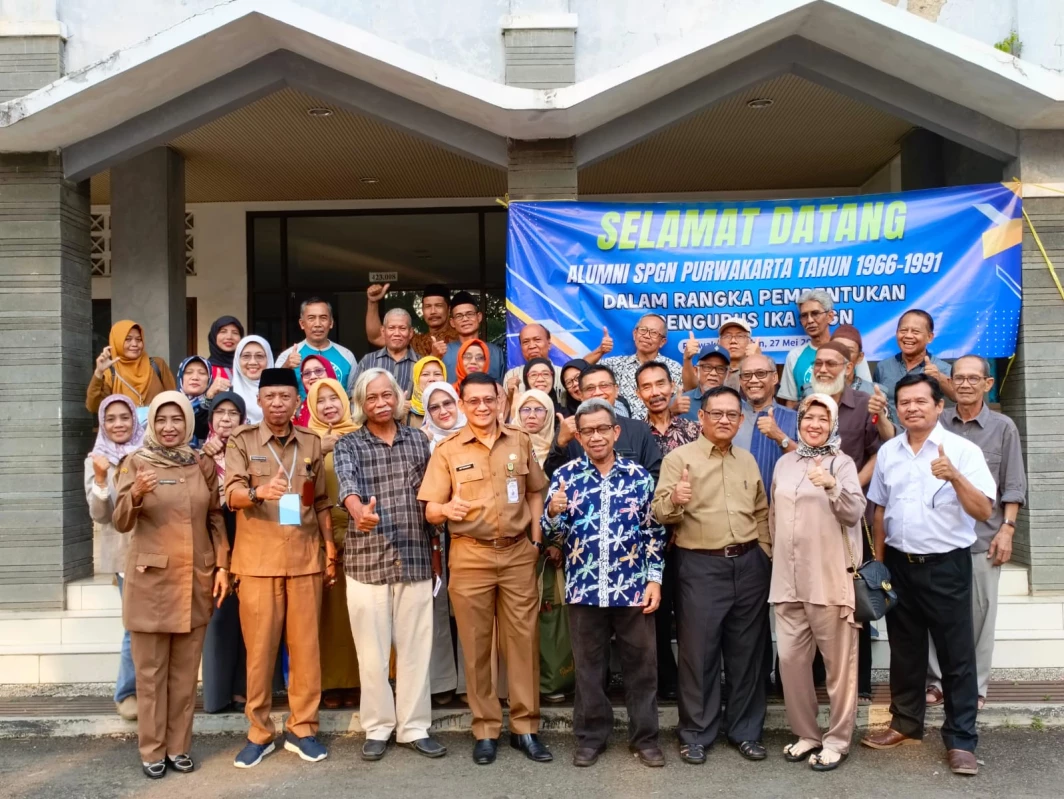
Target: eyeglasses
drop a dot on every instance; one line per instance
(760, 374)
(225, 413)
(714, 370)
(972, 380)
(649, 332)
(600, 430)
(539, 412)
(473, 357)
(314, 373)
(716, 416)
(572, 382)
(476, 402)
(464, 315)
(598, 387)
(819, 363)
(253, 356)
(439, 406)
(811, 314)
(737, 336)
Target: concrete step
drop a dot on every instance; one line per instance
(1014, 581)
(98, 592)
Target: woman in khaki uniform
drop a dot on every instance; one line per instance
(167, 496)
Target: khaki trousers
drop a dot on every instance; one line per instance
(802, 628)
(381, 615)
(167, 666)
(489, 584)
(268, 605)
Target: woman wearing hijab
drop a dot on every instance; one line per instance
(224, 655)
(816, 507)
(442, 416)
(535, 415)
(124, 367)
(538, 373)
(571, 383)
(473, 356)
(222, 339)
(119, 434)
(193, 380)
(429, 369)
(168, 497)
(330, 418)
(252, 356)
(312, 369)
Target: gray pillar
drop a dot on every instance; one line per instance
(148, 249)
(542, 170)
(929, 161)
(45, 366)
(1034, 390)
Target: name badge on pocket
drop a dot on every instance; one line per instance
(511, 491)
(289, 507)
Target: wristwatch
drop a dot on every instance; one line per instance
(538, 545)
(1009, 522)
(786, 442)
(254, 496)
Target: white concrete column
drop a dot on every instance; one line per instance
(148, 249)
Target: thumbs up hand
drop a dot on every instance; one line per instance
(559, 500)
(405, 409)
(768, 427)
(681, 494)
(819, 476)
(369, 518)
(276, 488)
(877, 403)
(606, 345)
(931, 370)
(457, 509)
(691, 346)
(566, 429)
(439, 348)
(145, 482)
(681, 403)
(942, 467)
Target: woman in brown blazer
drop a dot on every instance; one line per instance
(167, 496)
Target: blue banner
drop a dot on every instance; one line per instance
(580, 268)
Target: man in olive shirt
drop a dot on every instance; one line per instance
(712, 492)
(278, 563)
(484, 482)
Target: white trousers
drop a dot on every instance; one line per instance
(383, 615)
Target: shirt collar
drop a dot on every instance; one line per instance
(710, 450)
(265, 434)
(848, 398)
(383, 353)
(466, 435)
(982, 418)
(938, 434)
(401, 432)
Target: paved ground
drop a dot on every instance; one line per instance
(1018, 763)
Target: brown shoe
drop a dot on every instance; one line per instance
(582, 758)
(651, 756)
(888, 739)
(962, 761)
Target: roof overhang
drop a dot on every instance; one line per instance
(240, 50)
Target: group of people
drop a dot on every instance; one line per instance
(325, 523)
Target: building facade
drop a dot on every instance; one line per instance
(173, 162)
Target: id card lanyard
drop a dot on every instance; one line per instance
(291, 470)
(288, 506)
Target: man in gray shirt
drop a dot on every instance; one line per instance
(996, 435)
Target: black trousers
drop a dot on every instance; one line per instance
(591, 629)
(663, 623)
(722, 609)
(935, 598)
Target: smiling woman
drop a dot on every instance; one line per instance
(125, 368)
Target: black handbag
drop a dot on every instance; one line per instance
(873, 596)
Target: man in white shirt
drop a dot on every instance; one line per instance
(929, 488)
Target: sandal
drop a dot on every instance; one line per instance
(331, 701)
(752, 750)
(817, 762)
(792, 754)
(933, 696)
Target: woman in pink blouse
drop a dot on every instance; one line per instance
(817, 504)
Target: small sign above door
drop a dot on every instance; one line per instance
(383, 277)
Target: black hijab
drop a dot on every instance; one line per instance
(571, 402)
(220, 357)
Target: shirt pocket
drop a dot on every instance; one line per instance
(472, 482)
(260, 473)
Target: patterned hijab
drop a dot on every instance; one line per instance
(416, 404)
(249, 389)
(834, 442)
(199, 400)
(541, 441)
(131, 374)
(319, 425)
(429, 427)
(302, 417)
(104, 445)
(153, 451)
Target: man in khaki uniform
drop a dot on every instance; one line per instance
(278, 562)
(712, 492)
(485, 483)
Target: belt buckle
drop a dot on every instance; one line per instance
(915, 558)
(733, 550)
(496, 543)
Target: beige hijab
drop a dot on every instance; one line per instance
(541, 441)
(154, 452)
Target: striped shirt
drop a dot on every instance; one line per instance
(765, 451)
(402, 370)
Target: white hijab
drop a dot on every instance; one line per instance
(246, 388)
(436, 433)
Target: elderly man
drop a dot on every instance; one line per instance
(316, 321)
(815, 310)
(486, 484)
(996, 435)
(930, 488)
(850, 337)
(534, 339)
(768, 429)
(634, 442)
(650, 335)
(712, 492)
(712, 366)
(599, 513)
(396, 356)
(916, 329)
(734, 336)
(466, 319)
(435, 307)
(389, 566)
(282, 547)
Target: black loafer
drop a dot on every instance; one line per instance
(484, 751)
(154, 771)
(652, 756)
(530, 744)
(429, 747)
(751, 750)
(582, 758)
(695, 754)
(374, 750)
(181, 763)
